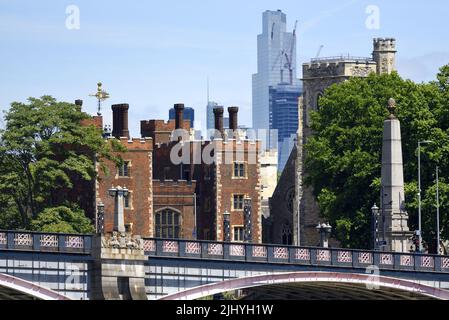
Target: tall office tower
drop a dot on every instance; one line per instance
(276, 63)
(284, 118)
(210, 115)
(189, 114)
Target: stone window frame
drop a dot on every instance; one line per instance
(180, 220)
(233, 195)
(130, 201)
(237, 226)
(245, 170)
(128, 169)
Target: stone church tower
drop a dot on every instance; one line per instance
(384, 55)
(318, 75)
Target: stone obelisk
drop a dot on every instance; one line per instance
(395, 219)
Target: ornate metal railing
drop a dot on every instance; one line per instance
(277, 254)
(45, 242)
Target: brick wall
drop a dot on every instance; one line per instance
(139, 183)
(177, 196)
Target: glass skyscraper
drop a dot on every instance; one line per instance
(189, 114)
(276, 63)
(210, 122)
(283, 106)
(275, 85)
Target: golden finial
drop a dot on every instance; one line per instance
(101, 95)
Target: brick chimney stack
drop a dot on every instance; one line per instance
(218, 115)
(233, 124)
(179, 116)
(120, 120)
(79, 103)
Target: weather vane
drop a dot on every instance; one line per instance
(101, 95)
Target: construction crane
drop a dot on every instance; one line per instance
(289, 57)
(279, 61)
(319, 52)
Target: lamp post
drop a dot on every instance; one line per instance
(247, 218)
(100, 218)
(119, 194)
(375, 223)
(438, 211)
(227, 226)
(325, 231)
(419, 193)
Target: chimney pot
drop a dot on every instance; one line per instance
(233, 112)
(179, 116)
(218, 114)
(120, 120)
(79, 103)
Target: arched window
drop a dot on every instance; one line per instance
(167, 224)
(287, 237)
(290, 198)
(318, 97)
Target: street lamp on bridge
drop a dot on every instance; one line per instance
(227, 226)
(375, 224)
(419, 193)
(325, 231)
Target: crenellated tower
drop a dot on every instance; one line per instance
(384, 54)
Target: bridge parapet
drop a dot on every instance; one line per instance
(276, 254)
(45, 242)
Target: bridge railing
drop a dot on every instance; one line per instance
(278, 254)
(45, 242)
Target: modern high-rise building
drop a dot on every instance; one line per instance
(284, 118)
(276, 63)
(189, 114)
(210, 115)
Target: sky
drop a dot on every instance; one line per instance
(155, 54)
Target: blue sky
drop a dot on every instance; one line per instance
(154, 54)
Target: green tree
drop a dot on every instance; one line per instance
(344, 156)
(44, 152)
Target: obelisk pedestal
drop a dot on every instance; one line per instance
(394, 229)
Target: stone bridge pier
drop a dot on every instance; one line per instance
(118, 267)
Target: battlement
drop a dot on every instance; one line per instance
(147, 127)
(342, 66)
(136, 143)
(384, 44)
(338, 59)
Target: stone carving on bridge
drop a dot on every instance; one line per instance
(122, 240)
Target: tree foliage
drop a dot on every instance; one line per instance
(44, 153)
(344, 156)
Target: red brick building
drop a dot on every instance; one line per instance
(186, 199)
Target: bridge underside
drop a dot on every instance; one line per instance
(12, 294)
(327, 291)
